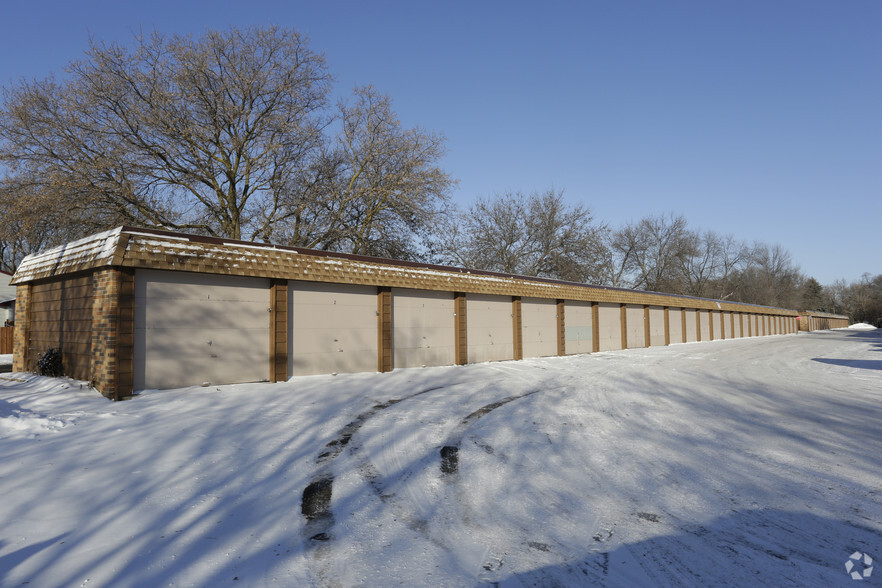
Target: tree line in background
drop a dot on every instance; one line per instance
(234, 135)
(541, 235)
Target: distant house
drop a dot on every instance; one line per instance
(7, 298)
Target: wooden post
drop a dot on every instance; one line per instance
(710, 324)
(278, 330)
(595, 327)
(623, 321)
(647, 333)
(460, 329)
(516, 324)
(683, 323)
(561, 328)
(384, 329)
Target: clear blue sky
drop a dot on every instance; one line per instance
(759, 118)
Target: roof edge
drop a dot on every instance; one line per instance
(108, 249)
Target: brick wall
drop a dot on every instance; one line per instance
(91, 318)
(20, 338)
(59, 315)
(112, 342)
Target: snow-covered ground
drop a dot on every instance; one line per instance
(5, 359)
(741, 462)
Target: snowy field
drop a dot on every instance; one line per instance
(741, 462)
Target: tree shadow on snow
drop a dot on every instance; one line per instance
(753, 547)
(864, 364)
(9, 561)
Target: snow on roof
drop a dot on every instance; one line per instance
(91, 251)
(159, 249)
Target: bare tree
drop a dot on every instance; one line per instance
(706, 271)
(375, 190)
(651, 252)
(770, 278)
(186, 133)
(534, 235)
(862, 299)
(38, 216)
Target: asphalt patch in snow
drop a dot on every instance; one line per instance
(449, 459)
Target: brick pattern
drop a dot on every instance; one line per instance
(384, 330)
(461, 328)
(517, 327)
(595, 327)
(60, 316)
(561, 328)
(279, 331)
(22, 328)
(112, 342)
(125, 339)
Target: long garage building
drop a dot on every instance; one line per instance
(135, 309)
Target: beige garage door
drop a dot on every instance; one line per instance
(490, 327)
(423, 328)
(656, 326)
(539, 327)
(578, 327)
(196, 328)
(705, 318)
(636, 326)
(675, 322)
(332, 328)
(609, 318)
(691, 325)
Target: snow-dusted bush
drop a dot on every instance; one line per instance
(49, 363)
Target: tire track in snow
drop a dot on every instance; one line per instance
(450, 450)
(494, 559)
(315, 503)
(407, 507)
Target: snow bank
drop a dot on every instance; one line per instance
(862, 327)
(737, 462)
(6, 359)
